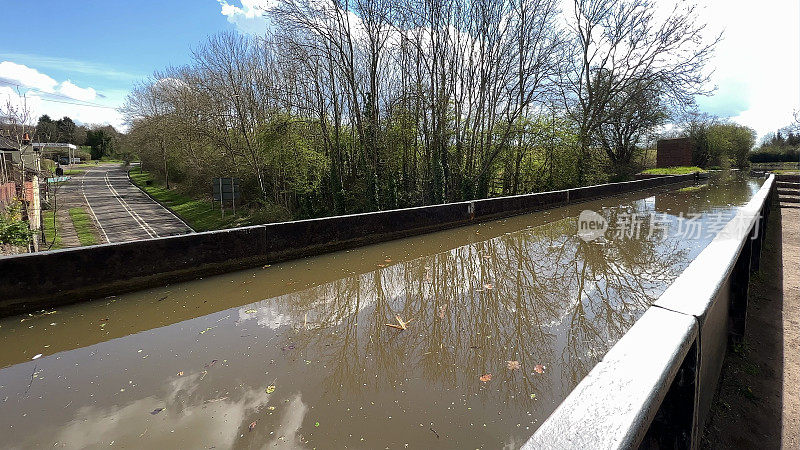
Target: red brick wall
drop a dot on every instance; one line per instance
(674, 152)
(7, 193)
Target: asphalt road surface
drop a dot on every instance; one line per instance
(122, 211)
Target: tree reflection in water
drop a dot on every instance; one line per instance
(476, 306)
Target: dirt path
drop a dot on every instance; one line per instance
(758, 399)
(791, 326)
(69, 237)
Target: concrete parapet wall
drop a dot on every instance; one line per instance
(654, 388)
(43, 280)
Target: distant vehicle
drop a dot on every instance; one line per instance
(65, 160)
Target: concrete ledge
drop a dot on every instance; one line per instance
(614, 405)
(43, 280)
(787, 177)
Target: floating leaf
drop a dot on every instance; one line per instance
(316, 424)
(403, 325)
(180, 374)
(271, 408)
(539, 368)
(533, 396)
(250, 311)
(270, 389)
(512, 365)
(156, 411)
(487, 377)
(388, 260)
(252, 425)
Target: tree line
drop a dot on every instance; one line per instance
(780, 146)
(101, 139)
(362, 105)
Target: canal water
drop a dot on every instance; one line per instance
(501, 320)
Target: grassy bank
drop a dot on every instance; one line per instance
(49, 231)
(679, 170)
(83, 226)
(200, 214)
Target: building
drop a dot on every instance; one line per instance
(56, 151)
(674, 152)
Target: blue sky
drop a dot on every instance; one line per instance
(93, 52)
(105, 46)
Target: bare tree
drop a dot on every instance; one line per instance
(627, 48)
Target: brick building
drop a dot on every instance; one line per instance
(674, 152)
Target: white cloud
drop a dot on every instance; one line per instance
(26, 76)
(70, 90)
(71, 66)
(756, 65)
(250, 16)
(38, 103)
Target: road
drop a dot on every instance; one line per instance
(122, 211)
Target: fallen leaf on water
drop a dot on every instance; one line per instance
(402, 325)
(316, 424)
(388, 260)
(381, 265)
(270, 389)
(180, 374)
(271, 408)
(487, 377)
(512, 365)
(250, 311)
(533, 396)
(156, 411)
(252, 425)
(539, 368)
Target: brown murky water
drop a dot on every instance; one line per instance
(298, 355)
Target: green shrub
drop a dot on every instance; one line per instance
(13, 230)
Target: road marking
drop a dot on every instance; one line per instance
(191, 230)
(141, 222)
(96, 220)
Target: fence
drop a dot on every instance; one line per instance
(655, 386)
(7, 193)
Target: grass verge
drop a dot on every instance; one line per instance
(49, 231)
(83, 226)
(679, 170)
(200, 214)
